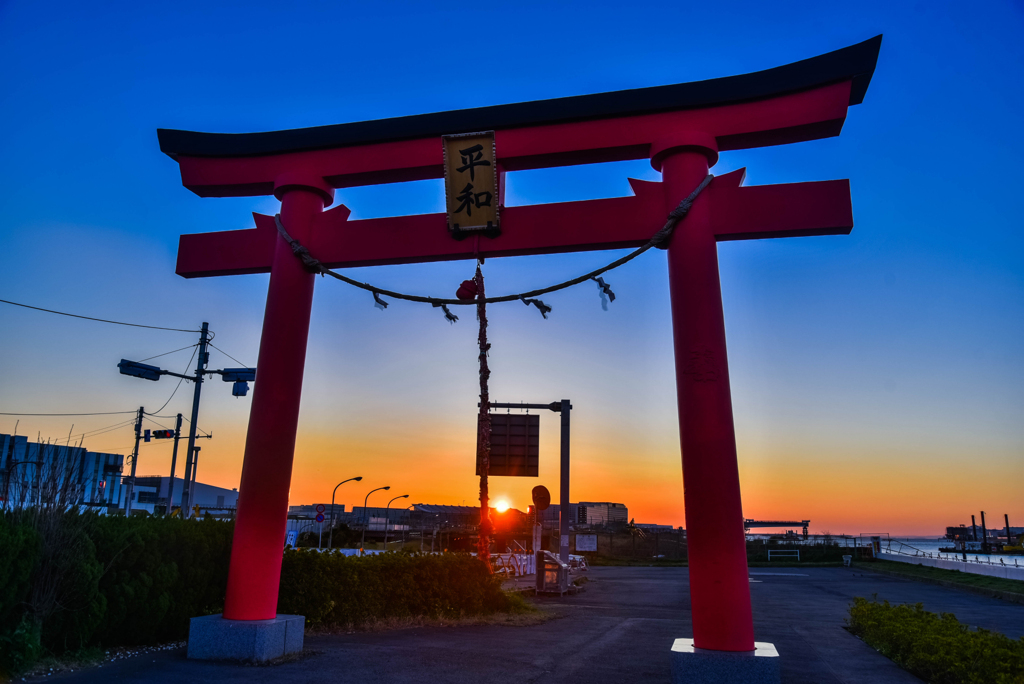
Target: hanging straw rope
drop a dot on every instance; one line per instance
(315, 266)
(484, 438)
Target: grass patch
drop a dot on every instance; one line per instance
(937, 648)
(998, 587)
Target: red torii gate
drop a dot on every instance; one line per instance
(680, 128)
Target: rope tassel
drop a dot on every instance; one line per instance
(378, 302)
(447, 314)
(606, 292)
(541, 306)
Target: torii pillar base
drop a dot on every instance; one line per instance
(212, 637)
(690, 664)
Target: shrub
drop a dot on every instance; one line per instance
(138, 580)
(937, 648)
(332, 589)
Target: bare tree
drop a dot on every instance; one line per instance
(48, 499)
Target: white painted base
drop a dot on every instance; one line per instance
(691, 665)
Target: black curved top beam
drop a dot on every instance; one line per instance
(856, 63)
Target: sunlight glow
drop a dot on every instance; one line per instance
(501, 506)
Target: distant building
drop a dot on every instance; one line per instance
(589, 513)
(151, 495)
(604, 513)
(34, 473)
(302, 518)
(443, 517)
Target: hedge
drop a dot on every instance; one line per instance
(139, 580)
(937, 648)
(332, 589)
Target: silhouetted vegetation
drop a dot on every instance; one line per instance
(70, 582)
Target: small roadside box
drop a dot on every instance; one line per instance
(552, 574)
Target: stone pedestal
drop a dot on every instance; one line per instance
(211, 637)
(692, 665)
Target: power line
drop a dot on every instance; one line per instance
(156, 423)
(107, 413)
(99, 431)
(227, 355)
(170, 352)
(197, 427)
(100, 320)
(179, 380)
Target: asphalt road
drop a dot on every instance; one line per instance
(619, 630)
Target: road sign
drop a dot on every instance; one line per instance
(320, 508)
(319, 517)
(541, 497)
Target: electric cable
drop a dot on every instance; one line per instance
(228, 355)
(100, 320)
(156, 423)
(180, 380)
(99, 431)
(105, 413)
(170, 352)
(197, 427)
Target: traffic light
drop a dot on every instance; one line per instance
(163, 434)
(139, 370)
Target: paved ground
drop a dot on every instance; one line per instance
(619, 630)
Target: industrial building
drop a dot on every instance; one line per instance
(150, 494)
(34, 473)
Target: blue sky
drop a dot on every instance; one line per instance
(870, 372)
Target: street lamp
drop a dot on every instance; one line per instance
(366, 518)
(387, 518)
(7, 478)
(330, 537)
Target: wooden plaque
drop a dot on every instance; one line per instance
(515, 445)
(471, 182)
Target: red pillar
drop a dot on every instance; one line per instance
(255, 573)
(719, 589)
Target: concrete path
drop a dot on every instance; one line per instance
(619, 630)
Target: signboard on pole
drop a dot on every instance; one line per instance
(586, 542)
(515, 445)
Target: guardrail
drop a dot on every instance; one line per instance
(788, 553)
(893, 546)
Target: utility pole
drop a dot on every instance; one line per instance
(192, 484)
(174, 460)
(564, 407)
(563, 494)
(135, 459)
(204, 358)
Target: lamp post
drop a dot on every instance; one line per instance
(387, 518)
(7, 478)
(330, 537)
(366, 518)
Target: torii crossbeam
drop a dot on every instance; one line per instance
(680, 128)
